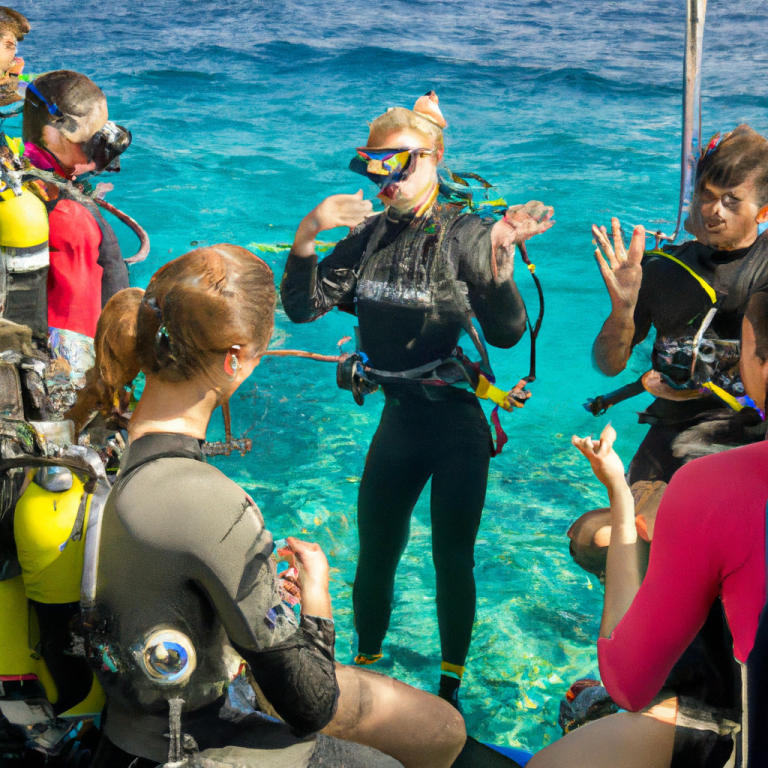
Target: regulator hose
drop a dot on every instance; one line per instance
(132, 224)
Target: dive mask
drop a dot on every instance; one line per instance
(387, 166)
(103, 148)
(106, 145)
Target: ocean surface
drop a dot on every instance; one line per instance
(245, 115)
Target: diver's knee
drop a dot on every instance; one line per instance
(355, 704)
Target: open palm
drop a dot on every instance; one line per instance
(620, 267)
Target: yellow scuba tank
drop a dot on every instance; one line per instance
(50, 522)
(49, 527)
(24, 256)
(19, 634)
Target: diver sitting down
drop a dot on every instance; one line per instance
(186, 588)
(709, 545)
(416, 275)
(60, 264)
(698, 286)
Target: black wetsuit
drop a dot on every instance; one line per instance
(184, 548)
(673, 302)
(412, 282)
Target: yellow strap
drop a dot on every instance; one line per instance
(702, 282)
(724, 396)
(456, 669)
(487, 391)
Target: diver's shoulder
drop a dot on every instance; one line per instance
(689, 253)
(466, 222)
(73, 211)
(173, 488)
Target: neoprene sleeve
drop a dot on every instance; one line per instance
(298, 676)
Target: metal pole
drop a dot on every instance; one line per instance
(691, 139)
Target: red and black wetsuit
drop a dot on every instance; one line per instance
(86, 267)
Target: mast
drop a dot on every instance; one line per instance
(691, 140)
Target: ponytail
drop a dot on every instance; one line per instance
(117, 360)
(195, 308)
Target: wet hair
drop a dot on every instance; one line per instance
(195, 308)
(757, 314)
(73, 93)
(401, 119)
(741, 154)
(115, 362)
(13, 22)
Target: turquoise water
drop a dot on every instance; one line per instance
(244, 115)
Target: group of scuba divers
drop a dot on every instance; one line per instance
(139, 586)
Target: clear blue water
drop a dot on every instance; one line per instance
(244, 115)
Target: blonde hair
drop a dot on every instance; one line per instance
(402, 119)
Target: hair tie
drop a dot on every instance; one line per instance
(162, 344)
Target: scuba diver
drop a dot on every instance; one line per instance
(691, 294)
(67, 132)
(59, 261)
(415, 276)
(184, 583)
(13, 28)
(709, 544)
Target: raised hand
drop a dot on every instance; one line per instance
(605, 462)
(334, 211)
(339, 211)
(621, 272)
(520, 223)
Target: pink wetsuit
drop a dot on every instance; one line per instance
(709, 540)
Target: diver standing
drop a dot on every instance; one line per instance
(415, 275)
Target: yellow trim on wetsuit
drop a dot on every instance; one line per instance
(727, 398)
(702, 282)
(452, 670)
(51, 563)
